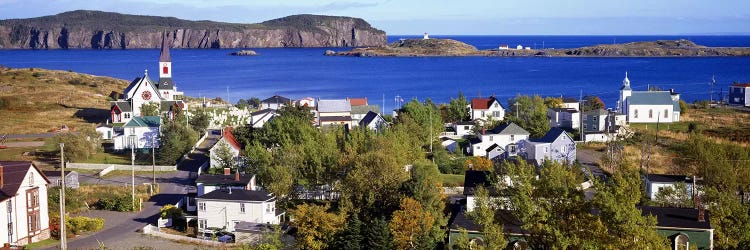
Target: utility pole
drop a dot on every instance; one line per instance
(580, 115)
(516, 104)
(153, 160)
(713, 83)
(132, 171)
(63, 239)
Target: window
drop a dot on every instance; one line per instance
(512, 137)
(595, 118)
(33, 220)
(10, 206)
(466, 128)
(546, 149)
(650, 113)
(127, 115)
(269, 208)
(635, 114)
(496, 113)
(31, 179)
(242, 208)
(666, 113)
(202, 206)
(202, 223)
(491, 138)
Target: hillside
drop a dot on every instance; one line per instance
(448, 47)
(35, 100)
(109, 30)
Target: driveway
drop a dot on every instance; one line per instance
(173, 186)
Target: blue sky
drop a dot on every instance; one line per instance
(450, 17)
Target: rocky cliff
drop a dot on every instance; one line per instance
(106, 30)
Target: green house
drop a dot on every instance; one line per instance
(686, 228)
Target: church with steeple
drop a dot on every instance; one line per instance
(125, 113)
(650, 106)
(144, 90)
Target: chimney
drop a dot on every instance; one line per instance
(237, 176)
(701, 210)
(227, 171)
(230, 190)
(2, 177)
(484, 131)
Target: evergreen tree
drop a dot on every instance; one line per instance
(378, 235)
(351, 237)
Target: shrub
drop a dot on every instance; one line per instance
(120, 203)
(81, 224)
(76, 81)
(170, 211)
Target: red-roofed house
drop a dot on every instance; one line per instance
(227, 140)
(486, 109)
(358, 101)
(739, 94)
(23, 203)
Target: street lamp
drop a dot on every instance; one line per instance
(133, 144)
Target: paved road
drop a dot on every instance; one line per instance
(24, 144)
(172, 189)
(26, 136)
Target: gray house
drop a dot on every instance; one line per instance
(71, 178)
(556, 145)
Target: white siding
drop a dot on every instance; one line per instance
(224, 213)
(19, 214)
(656, 115)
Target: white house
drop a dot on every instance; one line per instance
(360, 108)
(141, 131)
(143, 90)
(275, 102)
(225, 208)
(571, 103)
(505, 136)
(106, 130)
(648, 106)
(564, 118)
(23, 203)
(334, 112)
(739, 94)
(306, 102)
(373, 121)
(519, 47)
(259, 118)
(486, 109)
(556, 145)
(449, 144)
(463, 128)
(656, 182)
(503, 47)
(227, 140)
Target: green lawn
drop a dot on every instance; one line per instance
(42, 244)
(452, 180)
(112, 158)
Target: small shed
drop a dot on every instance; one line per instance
(71, 178)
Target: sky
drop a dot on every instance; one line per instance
(446, 17)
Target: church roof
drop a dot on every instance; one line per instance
(138, 82)
(144, 121)
(164, 54)
(650, 98)
(165, 83)
(123, 106)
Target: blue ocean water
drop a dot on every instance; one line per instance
(305, 72)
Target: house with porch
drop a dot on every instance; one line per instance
(502, 139)
(486, 109)
(224, 209)
(23, 203)
(555, 145)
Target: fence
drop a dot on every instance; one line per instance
(154, 231)
(94, 166)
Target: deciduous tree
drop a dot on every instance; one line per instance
(410, 224)
(316, 226)
(150, 109)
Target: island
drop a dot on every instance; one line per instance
(449, 47)
(86, 29)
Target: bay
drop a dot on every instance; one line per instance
(305, 72)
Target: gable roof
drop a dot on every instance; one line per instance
(223, 180)
(229, 137)
(650, 98)
(677, 217)
(14, 173)
(237, 195)
(369, 117)
(364, 109)
(123, 106)
(334, 106)
(509, 129)
(144, 121)
(493, 147)
(569, 100)
(264, 111)
(551, 135)
(277, 99)
(358, 101)
(483, 103)
(135, 84)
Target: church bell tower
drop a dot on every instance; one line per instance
(165, 60)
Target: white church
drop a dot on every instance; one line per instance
(648, 106)
(129, 126)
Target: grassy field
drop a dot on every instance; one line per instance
(452, 180)
(35, 100)
(42, 244)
